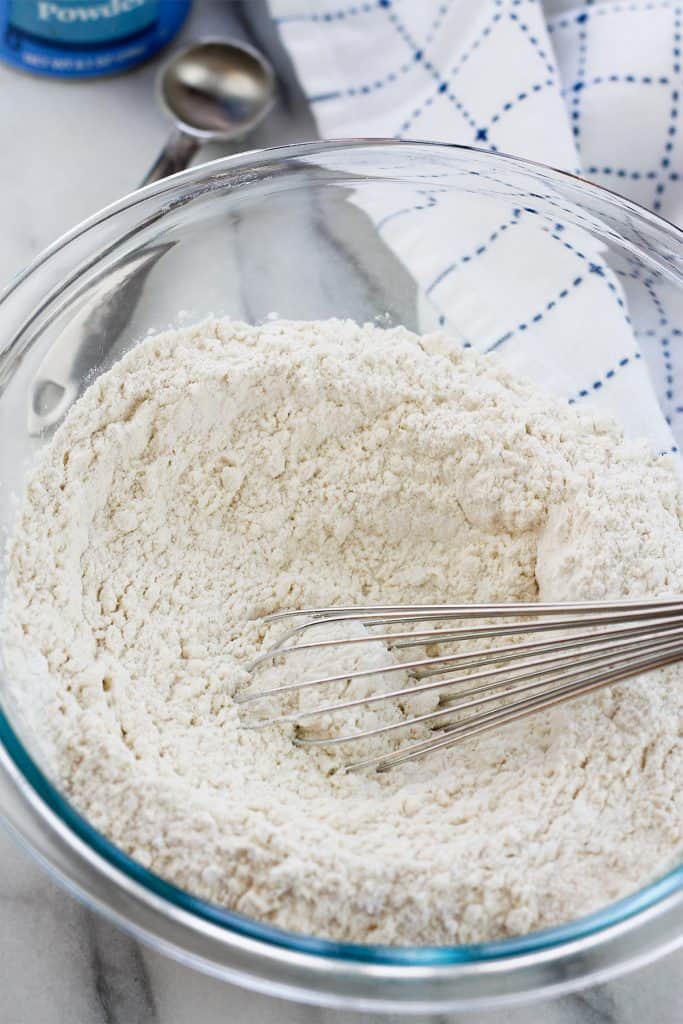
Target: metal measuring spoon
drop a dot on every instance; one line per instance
(214, 91)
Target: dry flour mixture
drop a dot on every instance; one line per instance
(225, 471)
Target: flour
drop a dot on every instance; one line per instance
(222, 472)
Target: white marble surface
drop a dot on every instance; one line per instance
(68, 150)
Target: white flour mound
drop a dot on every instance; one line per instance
(222, 472)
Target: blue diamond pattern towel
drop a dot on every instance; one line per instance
(590, 87)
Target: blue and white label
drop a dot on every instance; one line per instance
(75, 21)
(73, 38)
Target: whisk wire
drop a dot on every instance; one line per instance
(540, 676)
(619, 640)
(507, 715)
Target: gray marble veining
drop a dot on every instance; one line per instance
(59, 963)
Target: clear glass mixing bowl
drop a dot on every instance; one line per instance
(302, 231)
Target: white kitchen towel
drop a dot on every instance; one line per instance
(590, 86)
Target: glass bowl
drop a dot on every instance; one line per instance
(314, 231)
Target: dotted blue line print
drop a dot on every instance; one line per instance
(367, 87)
(431, 201)
(443, 90)
(575, 215)
(657, 303)
(437, 23)
(416, 60)
(443, 87)
(665, 348)
(479, 251)
(664, 341)
(579, 84)
(550, 66)
(598, 269)
(645, 171)
(474, 45)
(668, 367)
(633, 275)
(636, 235)
(459, 106)
(673, 114)
(549, 306)
(598, 384)
(408, 38)
(622, 172)
(339, 15)
(599, 12)
(633, 261)
(524, 95)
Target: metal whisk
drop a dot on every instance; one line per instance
(584, 646)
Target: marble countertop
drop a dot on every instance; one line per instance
(59, 963)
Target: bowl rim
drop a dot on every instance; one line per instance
(587, 931)
(254, 157)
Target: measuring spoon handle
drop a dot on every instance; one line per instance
(175, 156)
